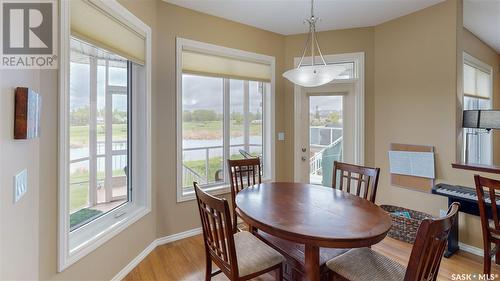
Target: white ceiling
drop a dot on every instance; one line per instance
(482, 17)
(286, 16)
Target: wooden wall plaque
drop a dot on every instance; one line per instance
(412, 182)
(27, 114)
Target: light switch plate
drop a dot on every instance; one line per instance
(281, 136)
(20, 185)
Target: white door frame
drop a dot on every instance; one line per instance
(359, 103)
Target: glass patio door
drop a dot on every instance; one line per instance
(327, 131)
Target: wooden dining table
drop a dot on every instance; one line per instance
(313, 215)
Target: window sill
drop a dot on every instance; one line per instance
(477, 167)
(86, 239)
(213, 190)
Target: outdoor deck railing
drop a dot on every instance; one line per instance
(209, 176)
(315, 161)
(119, 162)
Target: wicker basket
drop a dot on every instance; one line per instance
(404, 229)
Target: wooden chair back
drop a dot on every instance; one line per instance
(429, 247)
(363, 180)
(243, 173)
(217, 231)
(486, 190)
(491, 186)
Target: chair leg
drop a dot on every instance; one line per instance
(208, 269)
(279, 273)
(487, 262)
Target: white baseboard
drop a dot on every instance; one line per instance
(178, 236)
(195, 231)
(157, 242)
(472, 250)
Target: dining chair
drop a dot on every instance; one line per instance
(491, 231)
(241, 255)
(242, 173)
(364, 179)
(364, 264)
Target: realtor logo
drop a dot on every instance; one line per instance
(28, 34)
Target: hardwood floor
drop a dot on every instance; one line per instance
(185, 260)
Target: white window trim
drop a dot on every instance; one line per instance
(359, 100)
(182, 43)
(77, 244)
(474, 62)
(478, 64)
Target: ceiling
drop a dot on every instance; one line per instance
(482, 17)
(286, 16)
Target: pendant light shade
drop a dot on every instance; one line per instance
(312, 75)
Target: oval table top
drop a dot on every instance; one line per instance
(312, 214)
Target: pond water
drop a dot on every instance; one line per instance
(119, 161)
(200, 154)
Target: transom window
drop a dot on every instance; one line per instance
(222, 116)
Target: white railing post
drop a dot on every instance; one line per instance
(207, 160)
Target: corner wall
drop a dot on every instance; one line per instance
(417, 67)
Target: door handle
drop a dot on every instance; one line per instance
(304, 149)
(304, 158)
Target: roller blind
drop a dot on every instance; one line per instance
(94, 25)
(215, 65)
(477, 83)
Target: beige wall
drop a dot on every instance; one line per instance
(28, 239)
(416, 99)
(29, 229)
(19, 222)
(411, 72)
(480, 50)
(179, 22)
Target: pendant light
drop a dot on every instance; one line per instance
(311, 75)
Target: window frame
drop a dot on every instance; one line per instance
(268, 109)
(73, 245)
(477, 64)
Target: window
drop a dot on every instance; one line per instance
(99, 127)
(222, 115)
(477, 95)
(104, 127)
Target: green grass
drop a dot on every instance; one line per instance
(82, 216)
(214, 165)
(213, 130)
(79, 135)
(78, 195)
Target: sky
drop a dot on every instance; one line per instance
(325, 103)
(201, 92)
(80, 85)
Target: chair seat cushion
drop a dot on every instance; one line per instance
(254, 255)
(364, 264)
